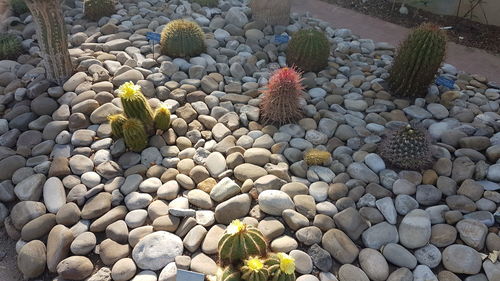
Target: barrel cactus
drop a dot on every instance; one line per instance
(417, 62)
(254, 269)
(308, 50)
(162, 118)
(240, 241)
(281, 267)
(181, 38)
(317, 157)
(135, 104)
(96, 9)
(408, 148)
(116, 121)
(10, 47)
(281, 101)
(228, 274)
(18, 7)
(272, 12)
(207, 3)
(134, 135)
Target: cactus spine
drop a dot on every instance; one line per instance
(135, 104)
(96, 9)
(308, 50)
(254, 270)
(239, 242)
(317, 157)
(281, 267)
(10, 46)
(162, 118)
(52, 38)
(116, 121)
(181, 38)
(418, 61)
(271, 12)
(134, 135)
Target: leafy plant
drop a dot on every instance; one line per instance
(10, 46)
(96, 9)
(308, 50)
(181, 38)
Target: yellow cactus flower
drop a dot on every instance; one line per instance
(255, 264)
(287, 263)
(236, 226)
(128, 89)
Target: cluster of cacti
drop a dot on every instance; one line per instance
(207, 3)
(417, 62)
(10, 46)
(52, 38)
(308, 50)
(18, 7)
(138, 120)
(407, 148)
(96, 9)
(280, 103)
(271, 12)
(181, 38)
(244, 249)
(317, 157)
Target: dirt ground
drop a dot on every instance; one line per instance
(8, 256)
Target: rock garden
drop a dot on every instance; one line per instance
(242, 142)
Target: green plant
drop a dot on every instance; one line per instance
(116, 121)
(308, 50)
(317, 157)
(417, 62)
(407, 148)
(181, 38)
(96, 9)
(135, 105)
(134, 134)
(10, 46)
(281, 267)
(253, 269)
(18, 7)
(162, 118)
(240, 241)
(281, 100)
(271, 12)
(52, 38)
(228, 274)
(207, 3)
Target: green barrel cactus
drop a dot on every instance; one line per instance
(135, 104)
(162, 118)
(96, 9)
(281, 267)
(181, 38)
(228, 274)
(207, 3)
(116, 121)
(10, 47)
(134, 135)
(254, 269)
(18, 7)
(240, 241)
(317, 157)
(308, 50)
(417, 62)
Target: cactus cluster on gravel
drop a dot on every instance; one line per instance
(10, 46)
(407, 148)
(308, 50)
(417, 62)
(96, 9)
(182, 38)
(280, 103)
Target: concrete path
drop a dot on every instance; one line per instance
(470, 60)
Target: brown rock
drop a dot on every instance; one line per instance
(58, 244)
(38, 227)
(75, 268)
(32, 259)
(97, 206)
(117, 213)
(110, 251)
(59, 167)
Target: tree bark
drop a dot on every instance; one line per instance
(272, 12)
(52, 38)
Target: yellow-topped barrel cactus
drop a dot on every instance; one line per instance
(317, 157)
(240, 241)
(162, 118)
(228, 274)
(134, 135)
(135, 104)
(281, 267)
(116, 121)
(182, 38)
(254, 269)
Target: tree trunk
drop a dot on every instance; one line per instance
(52, 38)
(272, 12)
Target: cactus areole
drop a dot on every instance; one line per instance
(52, 38)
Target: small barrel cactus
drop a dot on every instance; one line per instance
(10, 47)
(308, 50)
(317, 157)
(134, 135)
(281, 101)
(96, 9)
(240, 241)
(19, 7)
(254, 270)
(407, 148)
(181, 38)
(116, 121)
(135, 104)
(417, 62)
(281, 267)
(228, 274)
(207, 3)
(162, 118)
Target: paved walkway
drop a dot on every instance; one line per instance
(471, 60)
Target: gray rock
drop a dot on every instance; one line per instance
(274, 202)
(156, 250)
(415, 229)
